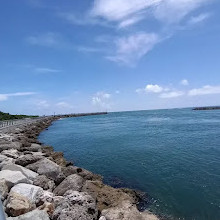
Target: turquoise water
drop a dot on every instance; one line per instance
(173, 155)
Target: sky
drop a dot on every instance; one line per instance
(76, 56)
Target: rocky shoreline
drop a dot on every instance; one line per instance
(39, 184)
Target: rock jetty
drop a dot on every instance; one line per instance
(207, 108)
(39, 184)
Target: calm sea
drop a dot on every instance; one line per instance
(172, 155)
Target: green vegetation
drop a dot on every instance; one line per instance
(7, 116)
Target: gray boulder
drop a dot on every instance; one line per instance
(17, 204)
(7, 161)
(76, 206)
(44, 182)
(33, 215)
(2, 158)
(45, 167)
(11, 145)
(13, 153)
(35, 147)
(24, 160)
(28, 173)
(27, 190)
(73, 182)
(13, 177)
(3, 189)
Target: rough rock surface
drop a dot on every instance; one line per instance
(76, 206)
(10, 145)
(3, 189)
(45, 167)
(28, 191)
(2, 158)
(13, 177)
(72, 182)
(13, 153)
(126, 211)
(26, 172)
(60, 191)
(44, 182)
(17, 204)
(7, 161)
(24, 160)
(33, 215)
(81, 172)
(105, 195)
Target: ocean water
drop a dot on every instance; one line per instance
(172, 155)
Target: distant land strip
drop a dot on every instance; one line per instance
(207, 108)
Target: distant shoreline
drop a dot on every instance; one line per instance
(207, 108)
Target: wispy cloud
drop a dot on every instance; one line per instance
(169, 17)
(89, 49)
(172, 94)
(205, 90)
(166, 11)
(184, 82)
(46, 70)
(64, 105)
(49, 39)
(132, 48)
(101, 99)
(199, 18)
(42, 104)
(4, 97)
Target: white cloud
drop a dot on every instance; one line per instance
(199, 18)
(150, 88)
(173, 11)
(130, 49)
(49, 39)
(184, 82)
(4, 97)
(42, 104)
(153, 88)
(169, 11)
(205, 90)
(64, 105)
(118, 10)
(173, 94)
(170, 16)
(130, 21)
(46, 70)
(89, 49)
(101, 99)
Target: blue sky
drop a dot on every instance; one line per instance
(115, 55)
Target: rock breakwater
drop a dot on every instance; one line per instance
(39, 184)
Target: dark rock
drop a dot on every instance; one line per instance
(33, 215)
(85, 174)
(45, 167)
(72, 182)
(27, 159)
(11, 145)
(44, 182)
